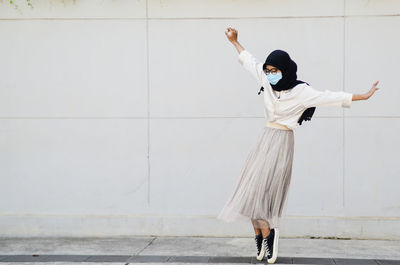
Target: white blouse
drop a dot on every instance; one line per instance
(286, 106)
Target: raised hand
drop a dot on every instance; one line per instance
(231, 34)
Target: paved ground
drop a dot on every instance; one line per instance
(193, 250)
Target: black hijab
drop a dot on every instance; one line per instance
(281, 60)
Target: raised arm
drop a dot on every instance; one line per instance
(249, 62)
(232, 35)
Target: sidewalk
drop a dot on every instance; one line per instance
(193, 250)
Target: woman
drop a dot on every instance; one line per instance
(261, 189)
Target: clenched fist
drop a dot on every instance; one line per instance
(231, 34)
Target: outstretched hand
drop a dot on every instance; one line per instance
(372, 90)
(367, 95)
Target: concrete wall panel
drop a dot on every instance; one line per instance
(73, 68)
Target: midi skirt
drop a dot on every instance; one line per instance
(261, 189)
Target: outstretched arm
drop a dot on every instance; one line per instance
(232, 35)
(366, 95)
(316, 98)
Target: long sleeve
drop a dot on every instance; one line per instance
(251, 64)
(316, 98)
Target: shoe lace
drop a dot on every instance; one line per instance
(267, 250)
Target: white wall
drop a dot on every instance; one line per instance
(135, 117)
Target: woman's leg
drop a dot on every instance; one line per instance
(265, 227)
(257, 231)
(265, 232)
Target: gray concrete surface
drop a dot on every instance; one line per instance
(198, 250)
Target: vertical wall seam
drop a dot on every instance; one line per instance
(148, 102)
(343, 117)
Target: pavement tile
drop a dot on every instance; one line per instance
(320, 261)
(148, 258)
(108, 258)
(189, 259)
(287, 260)
(60, 258)
(342, 261)
(44, 258)
(24, 258)
(229, 259)
(75, 245)
(388, 262)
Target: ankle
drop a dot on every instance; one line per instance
(266, 234)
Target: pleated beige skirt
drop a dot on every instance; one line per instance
(260, 193)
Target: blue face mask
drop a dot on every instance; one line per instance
(273, 79)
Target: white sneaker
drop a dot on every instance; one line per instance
(273, 245)
(264, 248)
